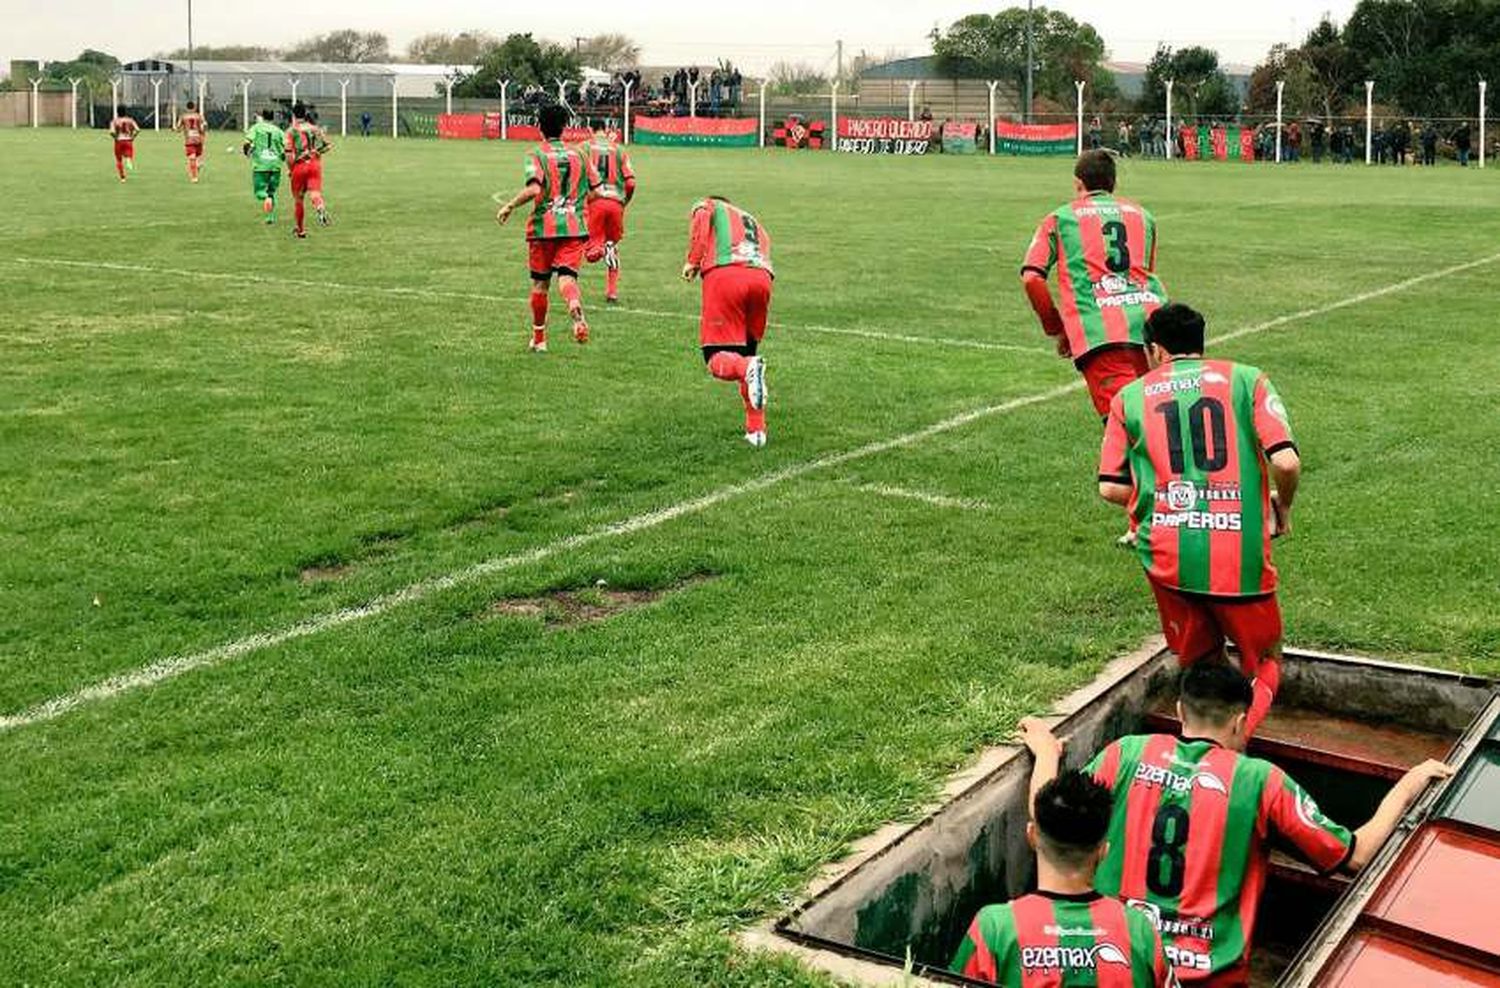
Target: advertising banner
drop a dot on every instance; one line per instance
(1035, 139)
(738, 132)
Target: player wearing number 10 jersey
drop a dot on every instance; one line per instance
(1104, 250)
(1192, 451)
(1193, 820)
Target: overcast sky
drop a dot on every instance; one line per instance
(753, 34)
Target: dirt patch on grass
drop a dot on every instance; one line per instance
(324, 572)
(570, 608)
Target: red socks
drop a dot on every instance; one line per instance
(298, 210)
(731, 367)
(571, 295)
(539, 308)
(120, 166)
(612, 283)
(1267, 680)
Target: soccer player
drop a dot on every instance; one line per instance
(1065, 934)
(607, 209)
(731, 251)
(123, 129)
(193, 127)
(1104, 249)
(559, 181)
(305, 146)
(1193, 820)
(1200, 453)
(264, 145)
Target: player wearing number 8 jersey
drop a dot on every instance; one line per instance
(1193, 450)
(1104, 250)
(1193, 819)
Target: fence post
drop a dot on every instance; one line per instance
(504, 110)
(448, 106)
(1171, 136)
(395, 111)
(1483, 151)
(990, 124)
(763, 84)
(562, 91)
(1280, 86)
(74, 83)
(911, 100)
(693, 97)
(1079, 86)
(295, 83)
(156, 103)
(833, 97)
(625, 128)
(245, 104)
(35, 100)
(203, 101)
(344, 107)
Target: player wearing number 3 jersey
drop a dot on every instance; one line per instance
(1193, 819)
(1193, 450)
(1104, 250)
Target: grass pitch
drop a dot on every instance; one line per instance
(210, 432)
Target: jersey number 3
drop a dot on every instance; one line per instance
(1118, 259)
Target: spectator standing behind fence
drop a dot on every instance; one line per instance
(1124, 138)
(1319, 141)
(1463, 143)
(1429, 144)
(1294, 142)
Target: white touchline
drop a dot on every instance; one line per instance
(936, 500)
(170, 668)
(869, 334)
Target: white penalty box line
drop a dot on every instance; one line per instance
(438, 293)
(170, 668)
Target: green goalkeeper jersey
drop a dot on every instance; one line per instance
(267, 146)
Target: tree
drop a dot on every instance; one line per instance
(1289, 65)
(223, 53)
(796, 79)
(1331, 68)
(1427, 56)
(994, 47)
(524, 61)
(464, 48)
(1202, 88)
(610, 52)
(346, 45)
(95, 68)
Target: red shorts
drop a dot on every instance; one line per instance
(124, 149)
(561, 255)
(307, 176)
(193, 150)
(1109, 370)
(606, 222)
(1197, 626)
(736, 302)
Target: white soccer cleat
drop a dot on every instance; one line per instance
(1126, 541)
(756, 439)
(538, 346)
(755, 382)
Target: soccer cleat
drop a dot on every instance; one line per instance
(755, 382)
(612, 300)
(611, 256)
(538, 339)
(300, 234)
(323, 218)
(1126, 541)
(537, 346)
(580, 332)
(756, 439)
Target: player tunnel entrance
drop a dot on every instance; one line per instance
(1346, 728)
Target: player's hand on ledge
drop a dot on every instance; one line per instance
(689, 272)
(1416, 780)
(1038, 738)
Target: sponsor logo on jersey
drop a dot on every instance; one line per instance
(1174, 384)
(1129, 299)
(1214, 377)
(1173, 925)
(1199, 521)
(1160, 777)
(1072, 958)
(1053, 930)
(1309, 812)
(1190, 960)
(1182, 495)
(1275, 406)
(1113, 284)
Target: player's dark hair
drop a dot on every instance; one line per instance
(1096, 170)
(1176, 328)
(191, 105)
(1214, 693)
(1072, 817)
(299, 110)
(553, 118)
(268, 115)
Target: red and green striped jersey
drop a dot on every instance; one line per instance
(723, 235)
(613, 166)
(1104, 249)
(305, 141)
(1192, 438)
(565, 175)
(1048, 940)
(1188, 842)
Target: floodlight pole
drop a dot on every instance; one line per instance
(114, 97)
(156, 103)
(192, 69)
(1280, 87)
(395, 110)
(344, 107)
(74, 83)
(1079, 86)
(448, 81)
(693, 97)
(625, 128)
(295, 83)
(1483, 89)
(245, 103)
(763, 84)
(1030, 65)
(504, 111)
(911, 99)
(203, 101)
(833, 97)
(1171, 137)
(990, 125)
(35, 101)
